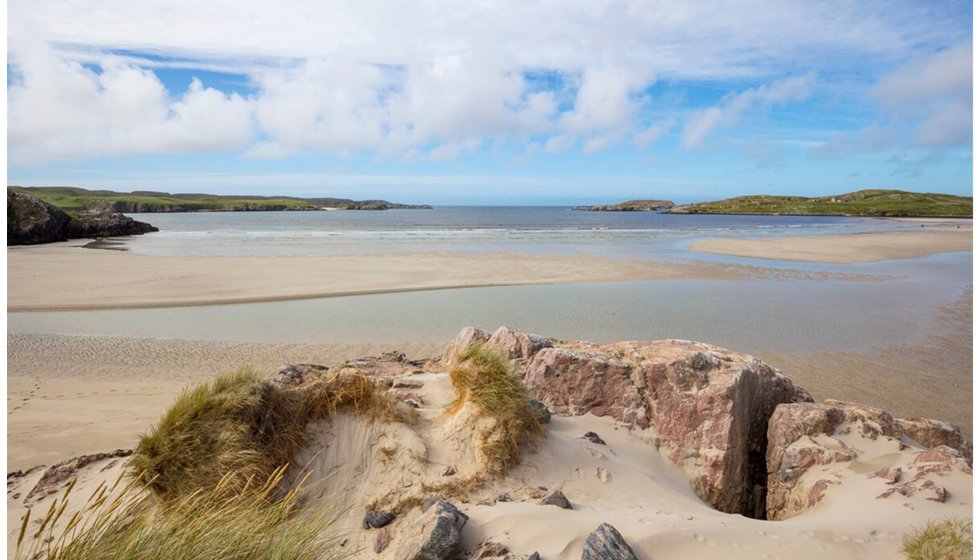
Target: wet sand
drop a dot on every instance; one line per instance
(843, 249)
(63, 276)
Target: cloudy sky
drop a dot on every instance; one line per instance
(486, 102)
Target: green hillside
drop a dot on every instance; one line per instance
(892, 203)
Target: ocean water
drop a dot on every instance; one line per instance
(467, 229)
(751, 316)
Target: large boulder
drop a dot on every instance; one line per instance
(709, 406)
(810, 443)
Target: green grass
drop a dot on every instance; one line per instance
(241, 427)
(861, 203)
(482, 375)
(123, 523)
(950, 539)
(79, 200)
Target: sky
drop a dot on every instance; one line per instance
(490, 102)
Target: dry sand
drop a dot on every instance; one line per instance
(843, 249)
(624, 482)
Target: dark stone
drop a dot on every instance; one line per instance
(594, 438)
(30, 221)
(556, 498)
(428, 502)
(605, 543)
(433, 536)
(377, 519)
(544, 415)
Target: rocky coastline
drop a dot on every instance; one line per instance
(32, 221)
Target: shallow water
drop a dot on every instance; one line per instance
(750, 316)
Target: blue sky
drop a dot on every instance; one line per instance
(445, 102)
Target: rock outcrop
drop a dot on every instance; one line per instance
(710, 406)
(31, 221)
(810, 442)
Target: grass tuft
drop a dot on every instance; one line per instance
(239, 429)
(124, 523)
(482, 375)
(950, 539)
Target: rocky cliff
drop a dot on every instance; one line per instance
(31, 221)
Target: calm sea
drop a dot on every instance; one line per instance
(470, 229)
(750, 316)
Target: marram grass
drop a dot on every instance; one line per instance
(482, 375)
(949, 539)
(239, 429)
(123, 522)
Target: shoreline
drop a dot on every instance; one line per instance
(66, 277)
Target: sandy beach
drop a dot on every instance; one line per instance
(72, 395)
(843, 249)
(65, 276)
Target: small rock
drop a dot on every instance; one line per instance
(449, 471)
(534, 556)
(505, 497)
(381, 540)
(594, 438)
(605, 543)
(889, 474)
(544, 415)
(377, 519)
(556, 498)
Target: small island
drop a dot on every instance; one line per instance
(75, 199)
(632, 206)
(872, 202)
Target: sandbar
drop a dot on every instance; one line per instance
(843, 249)
(66, 276)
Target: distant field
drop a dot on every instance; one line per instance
(74, 199)
(891, 203)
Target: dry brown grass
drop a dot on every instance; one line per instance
(246, 428)
(482, 375)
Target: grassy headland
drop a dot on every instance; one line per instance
(632, 206)
(74, 199)
(875, 202)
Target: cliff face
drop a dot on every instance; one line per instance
(31, 221)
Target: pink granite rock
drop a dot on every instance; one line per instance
(805, 435)
(466, 337)
(517, 345)
(710, 406)
(931, 433)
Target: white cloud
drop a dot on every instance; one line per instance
(705, 121)
(424, 79)
(59, 109)
(929, 101)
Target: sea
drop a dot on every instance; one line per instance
(885, 303)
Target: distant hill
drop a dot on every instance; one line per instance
(876, 202)
(75, 199)
(632, 206)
